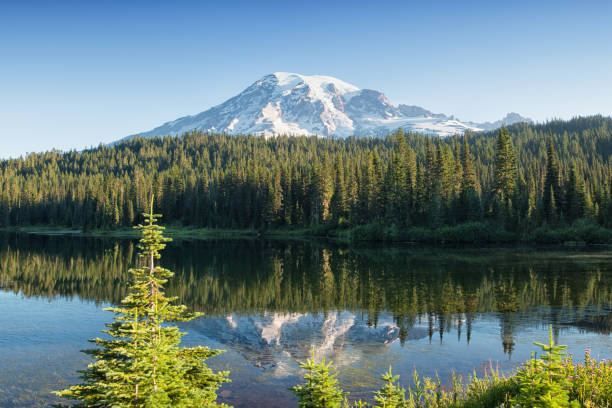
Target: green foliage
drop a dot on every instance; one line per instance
(518, 179)
(468, 232)
(504, 184)
(391, 395)
(552, 381)
(585, 231)
(591, 382)
(542, 383)
(575, 196)
(555, 380)
(321, 387)
(140, 363)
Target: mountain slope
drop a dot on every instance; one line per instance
(509, 119)
(294, 104)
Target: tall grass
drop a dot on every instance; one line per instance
(552, 381)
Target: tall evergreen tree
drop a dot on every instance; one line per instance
(430, 169)
(552, 189)
(396, 182)
(504, 183)
(321, 388)
(470, 207)
(141, 363)
(339, 200)
(575, 196)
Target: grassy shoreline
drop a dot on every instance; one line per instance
(582, 233)
(174, 232)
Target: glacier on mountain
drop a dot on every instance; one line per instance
(294, 104)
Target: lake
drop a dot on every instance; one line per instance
(267, 303)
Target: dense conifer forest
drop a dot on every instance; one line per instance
(542, 182)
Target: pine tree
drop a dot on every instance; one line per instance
(391, 395)
(444, 171)
(142, 364)
(430, 169)
(274, 201)
(338, 202)
(575, 197)
(505, 167)
(505, 179)
(318, 192)
(321, 389)
(371, 187)
(411, 185)
(458, 170)
(543, 382)
(420, 194)
(552, 187)
(468, 197)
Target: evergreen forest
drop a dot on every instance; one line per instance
(546, 182)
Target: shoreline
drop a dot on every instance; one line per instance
(344, 236)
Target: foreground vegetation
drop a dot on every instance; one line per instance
(528, 182)
(140, 363)
(552, 381)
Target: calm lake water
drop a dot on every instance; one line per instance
(267, 303)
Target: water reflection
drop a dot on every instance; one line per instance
(250, 277)
(268, 302)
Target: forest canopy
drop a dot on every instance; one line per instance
(517, 179)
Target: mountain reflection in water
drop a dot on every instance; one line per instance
(268, 303)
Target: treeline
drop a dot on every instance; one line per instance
(517, 179)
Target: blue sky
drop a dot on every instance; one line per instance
(74, 74)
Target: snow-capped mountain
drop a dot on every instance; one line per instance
(294, 104)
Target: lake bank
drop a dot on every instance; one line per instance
(578, 234)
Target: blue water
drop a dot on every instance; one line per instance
(273, 324)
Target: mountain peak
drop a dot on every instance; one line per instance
(295, 104)
(290, 80)
(510, 119)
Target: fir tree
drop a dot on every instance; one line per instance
(504, 183)
(468, 197)
(141, 363)
(338, 200)
(505, 179)
(552, 195)
(575, 197)
(321, 388)
(391, 395)
(430, 170)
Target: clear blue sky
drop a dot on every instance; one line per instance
(74, 74)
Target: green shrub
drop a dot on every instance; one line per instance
(591, 382)
(551, 381)
(321, 387)
(542, 382)
(582, 230)
(391, 395)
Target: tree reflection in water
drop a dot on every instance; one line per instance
(445, 288)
